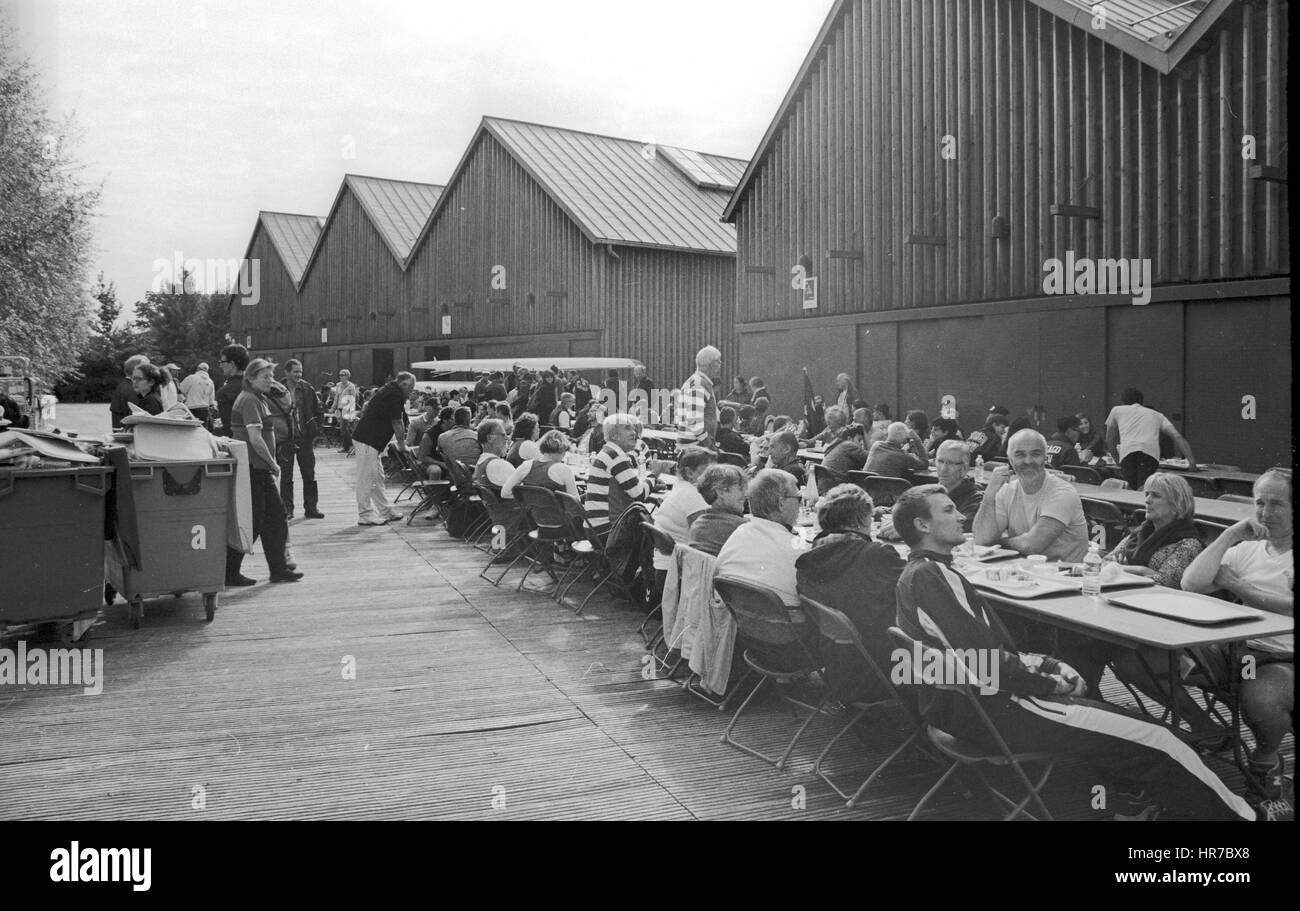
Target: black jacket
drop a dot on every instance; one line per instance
(226, 396)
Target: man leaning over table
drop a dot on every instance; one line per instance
(1133, 434)
(1254, 561)
(1030, 511)
(1038, 705)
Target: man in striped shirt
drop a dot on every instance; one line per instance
(697, 405)
(614, 482)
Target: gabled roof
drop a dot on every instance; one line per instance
(622, 191)
(1159, 33)
(293, 237)
(398, 209)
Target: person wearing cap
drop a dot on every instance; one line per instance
(381, 422)
(250, 420)
(345, 408)
(199, 393)
(697, 403)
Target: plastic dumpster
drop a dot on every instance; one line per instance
(52, 546)
(180, 510)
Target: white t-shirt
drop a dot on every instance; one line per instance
(1017, 512)
(1139, 429)
(1272, 572)
(673, 517)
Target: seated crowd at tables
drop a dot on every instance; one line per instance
(746, 516)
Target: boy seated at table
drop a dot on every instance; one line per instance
(1037, 704)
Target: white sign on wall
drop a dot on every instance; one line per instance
(810, 293)
(446, 325)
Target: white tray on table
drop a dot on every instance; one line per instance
(1186, 607)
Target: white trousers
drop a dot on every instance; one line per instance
(372, 499)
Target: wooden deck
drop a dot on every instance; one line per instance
(463, 693)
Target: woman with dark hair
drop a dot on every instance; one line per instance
(147, 382)
(1014, 428)
(880, 419)
(739, 393)
(524, 445)
(941, 431)
(1092, 440)
(919, 423)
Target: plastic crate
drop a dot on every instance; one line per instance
(52, 543)
(181, 509)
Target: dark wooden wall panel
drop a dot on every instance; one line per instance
(1144, 348)
(1043, 113)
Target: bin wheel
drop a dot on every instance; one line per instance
(137, 612)
(210, 606)
(177, 594)
(67, 635)
(110, 594)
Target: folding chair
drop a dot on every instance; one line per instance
(968, 755)
(763, 620)
(860, 478)
(511, 521)
(1237, 498)
(884, 491)
(654, 540)
(556, 521)
(1107, 517)
(626, 531)
(825, 479)
(731, 458)
(462, 479)
(1083, 474)
(837, 629)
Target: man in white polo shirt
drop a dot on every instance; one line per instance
(1030, 511)
(1133, 437)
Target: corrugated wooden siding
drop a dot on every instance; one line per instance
(1042, 113)
(278, 293)
(497, 215)
(664, 307)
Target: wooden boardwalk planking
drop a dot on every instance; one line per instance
(461, 689)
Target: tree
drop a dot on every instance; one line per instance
(46, 312)
(100, 368)
(180, 326)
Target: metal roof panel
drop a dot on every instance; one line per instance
(294, 237)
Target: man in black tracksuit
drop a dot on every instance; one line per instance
(1038, 704)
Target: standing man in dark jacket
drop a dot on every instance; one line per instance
(380, 422)
(234, 360)
(304, 424)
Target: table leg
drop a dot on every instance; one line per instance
(1174, 684)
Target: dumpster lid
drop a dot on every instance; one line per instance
(50, 445)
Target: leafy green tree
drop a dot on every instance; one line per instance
(46, 312)
(181, 326)
(100, 368)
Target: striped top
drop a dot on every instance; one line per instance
(613, 484)
(697, 412)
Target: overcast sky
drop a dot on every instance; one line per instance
(197, 115)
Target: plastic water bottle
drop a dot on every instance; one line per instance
(979, 468)
(1092, 571)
